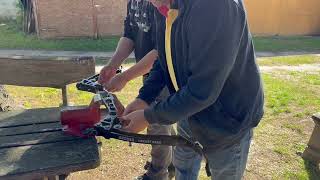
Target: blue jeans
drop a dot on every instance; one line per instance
(225, 164)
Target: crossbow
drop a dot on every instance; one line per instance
(110, 126)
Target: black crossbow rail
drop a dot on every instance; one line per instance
(110, 126)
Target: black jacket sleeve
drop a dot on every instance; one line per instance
(214, 30)
(153, 84)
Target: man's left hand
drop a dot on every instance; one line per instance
(135, 122)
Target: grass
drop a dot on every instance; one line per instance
(286, 126)
(277, 43)
(289, 60)
(291, 97)
(12, 38)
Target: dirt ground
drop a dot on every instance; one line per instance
(119, 162)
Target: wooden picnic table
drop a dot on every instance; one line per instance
(26, 153)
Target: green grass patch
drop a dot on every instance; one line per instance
(294, 127)
(289, 175)
(281, 94)
(310, 78)
(286, 127)
(277, 43)
(12, 38)
(282, 150)
(289, 60)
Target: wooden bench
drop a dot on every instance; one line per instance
(312, 152)
(26, 151)
(45, 72)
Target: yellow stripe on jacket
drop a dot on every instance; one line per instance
(172, 15)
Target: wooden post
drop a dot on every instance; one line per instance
(65, 96)
(312, 152)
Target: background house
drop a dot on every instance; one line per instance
(93, 18)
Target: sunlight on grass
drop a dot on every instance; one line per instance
(11, 37)
(278, 43)
(280, 93)
(289, 60)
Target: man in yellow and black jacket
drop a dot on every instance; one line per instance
(207, 60)
(139, 37)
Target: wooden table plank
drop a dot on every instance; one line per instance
(57, 73)
(36, 155)
(29, 162)
(9, 131)
(33, 139)
(18, 117)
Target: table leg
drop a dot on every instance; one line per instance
(312, 152)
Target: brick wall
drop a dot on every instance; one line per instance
(75, 18)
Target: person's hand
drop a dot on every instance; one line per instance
(120, 108)
(116, 83)
(106, 73)
(134, 122)
(135, 105)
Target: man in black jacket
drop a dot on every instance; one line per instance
(207, 60)
(139, 36)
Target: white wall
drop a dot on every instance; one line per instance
(8, 8)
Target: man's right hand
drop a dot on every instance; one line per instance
(106, 73)
(137, 104)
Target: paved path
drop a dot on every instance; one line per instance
(301, 68)
(44, 53)
(39, 53)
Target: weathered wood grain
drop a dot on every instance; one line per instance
(35, 139)
(37, 161)
(10, 131)
(27, 116)
(43, 72)
(38, 155)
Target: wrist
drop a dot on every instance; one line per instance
(125, 76)
(112, 66)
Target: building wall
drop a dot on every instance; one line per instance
(284, 17)
(74, 18)
(8, 8)
(61, 18)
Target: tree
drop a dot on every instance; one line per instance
(28, 19)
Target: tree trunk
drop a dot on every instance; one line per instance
(29, 24)
(6, 103)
